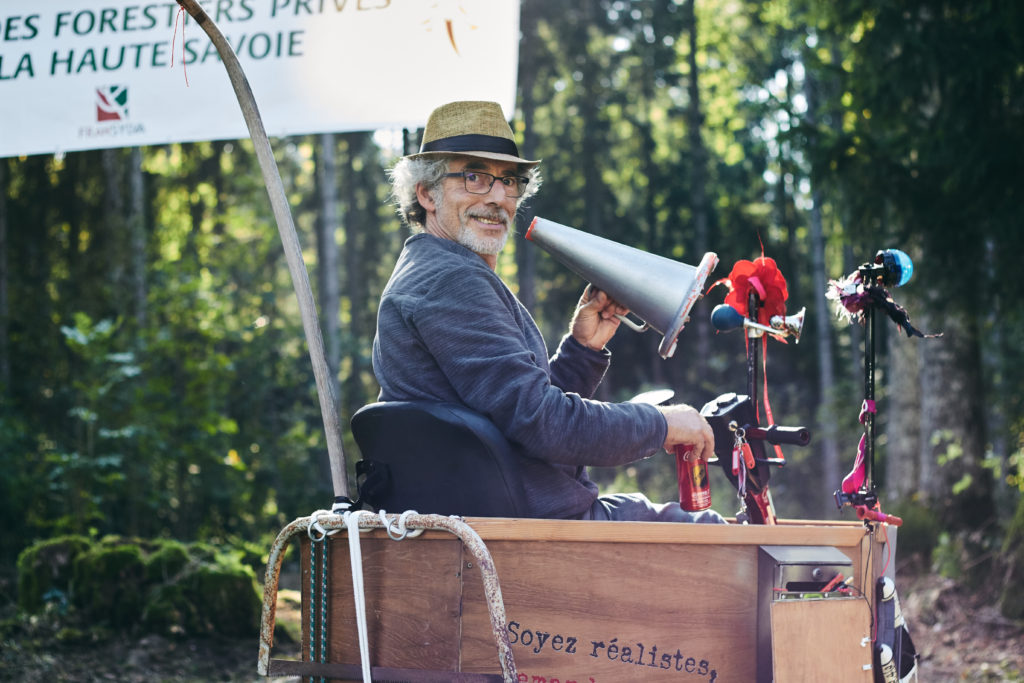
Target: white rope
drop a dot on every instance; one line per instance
(355, 555)
(396, 528)
(317, 528)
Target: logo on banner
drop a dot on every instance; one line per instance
(111, 116)
(111, 103)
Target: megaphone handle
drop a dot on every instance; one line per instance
(632, 325)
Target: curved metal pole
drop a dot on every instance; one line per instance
(753, 353)
(334, 522)
(290, 240)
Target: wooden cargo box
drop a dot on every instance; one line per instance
(599, 602)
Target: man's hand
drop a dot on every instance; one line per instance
(687, 426)
(594, 322)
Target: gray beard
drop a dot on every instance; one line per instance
(490, 246)
(481, 245)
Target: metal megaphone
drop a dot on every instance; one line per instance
(658, 290)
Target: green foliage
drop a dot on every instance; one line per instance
(45, 571)
(166, 562)
(1011, 600)
(213, 598)
(1014, 471)
(20, 484)
(108, 583)
(92, 471)
(133, 586)
(949, 556)
(920, 534)
(227, 600)
(969, 557)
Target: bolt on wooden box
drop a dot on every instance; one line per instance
(598, 602)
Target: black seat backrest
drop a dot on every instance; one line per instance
(437, 458)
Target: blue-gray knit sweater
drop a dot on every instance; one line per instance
(448, 329)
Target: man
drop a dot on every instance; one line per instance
(448, 329)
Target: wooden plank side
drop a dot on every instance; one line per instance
(839, 534)
(591, 611)
(821, 640)
(413, 599)
(305, 606)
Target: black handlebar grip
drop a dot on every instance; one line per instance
(794, 436)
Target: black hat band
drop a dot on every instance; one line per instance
(472, 143)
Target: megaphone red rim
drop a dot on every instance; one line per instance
(530, 229)
(668, 342)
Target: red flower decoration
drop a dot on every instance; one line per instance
(763, 276)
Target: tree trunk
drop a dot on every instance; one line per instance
(327, 254)
(594, 191)
(902, 412)
(953, 423)
(137, 228)
(827, 419)
(698, 187)
(5, 352)
(113, 215)
(356, 221)
(526, 258)
(327, 225)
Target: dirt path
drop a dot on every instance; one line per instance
(960, 635)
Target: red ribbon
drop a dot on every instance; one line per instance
(764, 277)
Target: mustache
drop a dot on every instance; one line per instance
(496, 215)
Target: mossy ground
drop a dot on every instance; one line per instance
(139, 587)
(39, 648)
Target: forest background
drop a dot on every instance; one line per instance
(154, 377)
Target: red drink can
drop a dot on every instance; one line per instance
(694, 485)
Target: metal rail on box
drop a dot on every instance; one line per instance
(331, 523)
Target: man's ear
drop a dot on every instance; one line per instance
(425, 200)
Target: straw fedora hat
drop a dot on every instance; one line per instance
(477, 129)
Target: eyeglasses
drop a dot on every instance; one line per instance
(478, 182)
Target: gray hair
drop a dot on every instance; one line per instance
(407, 173)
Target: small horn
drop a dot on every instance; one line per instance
(790, 325)
(725, 318)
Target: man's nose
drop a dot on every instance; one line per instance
(496, 187)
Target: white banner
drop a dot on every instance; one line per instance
(80, 75)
